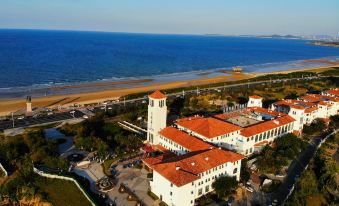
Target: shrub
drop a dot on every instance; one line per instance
(152, 195)
(163, 204)
(150, 175)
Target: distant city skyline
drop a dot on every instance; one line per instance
(246, 17)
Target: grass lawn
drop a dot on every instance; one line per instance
(46, 126)
(62, 192)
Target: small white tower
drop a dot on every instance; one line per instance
(254, 101)
(29, 105)
(157, 116)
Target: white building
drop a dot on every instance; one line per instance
(200, 149)
(302, 112)
(260, 127)
(217, 132)
(180, 143)
(254, 101)
(157, 116)
(180, 180)
(328, 105)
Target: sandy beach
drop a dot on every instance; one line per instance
(12, 105)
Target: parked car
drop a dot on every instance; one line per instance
(249, 188)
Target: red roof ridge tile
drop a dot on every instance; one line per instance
(157, 95)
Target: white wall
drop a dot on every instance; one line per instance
(172, 146)
(246, 144)
(186, 194)
(228, 141)
(254, 102)
(157, 118)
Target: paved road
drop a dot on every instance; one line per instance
(30, 121)
(294, 171)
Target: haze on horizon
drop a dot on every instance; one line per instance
(256, 17)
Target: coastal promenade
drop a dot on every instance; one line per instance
(59, 117)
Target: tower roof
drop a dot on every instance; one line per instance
(255, 97)
(157, 95)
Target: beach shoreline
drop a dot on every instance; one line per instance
(13, 105)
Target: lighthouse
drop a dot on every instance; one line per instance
(157, 116)
(29, 105)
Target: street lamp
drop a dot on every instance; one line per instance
(13, 119)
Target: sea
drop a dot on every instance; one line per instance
(32, 60)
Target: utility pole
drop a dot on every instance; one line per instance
(183, 93)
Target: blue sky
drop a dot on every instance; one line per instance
(229, 17)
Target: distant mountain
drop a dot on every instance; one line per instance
(280, 36)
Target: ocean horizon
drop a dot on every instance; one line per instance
(34, 59)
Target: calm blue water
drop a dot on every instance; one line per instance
(34, 57)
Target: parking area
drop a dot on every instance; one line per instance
(136, 181)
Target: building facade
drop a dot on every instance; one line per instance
(198, 149)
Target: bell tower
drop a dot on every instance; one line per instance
(157, 116)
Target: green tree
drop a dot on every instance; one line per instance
(224, 186)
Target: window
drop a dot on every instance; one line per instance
(171, 193)
(192, 192)
(200, 191)
(207, 188)
(235, 170)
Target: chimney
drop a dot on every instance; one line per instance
(177, 168)
(193, 163)
(276, 121)
(206, 158)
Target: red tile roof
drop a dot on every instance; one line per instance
(187, 141)
(255, 97)
(333, 92)
(208, 127)
(297, 104)
(324, 103)
(149, 161)
(316, 98)
(157, 95)
(184, 169)
(248, 111)
(265, 126)
(311, 109)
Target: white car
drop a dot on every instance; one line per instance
(49, 113)
(250, 189)
(21, 117)
(85, 117)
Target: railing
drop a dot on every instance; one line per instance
(4, 170)
(41, 173)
